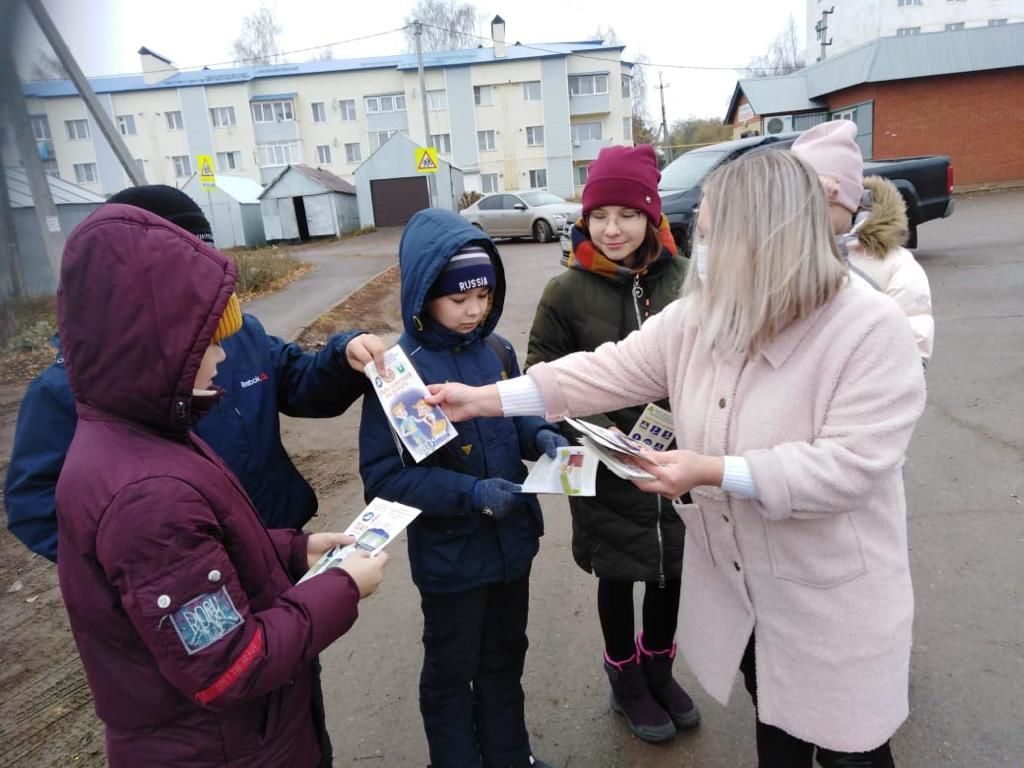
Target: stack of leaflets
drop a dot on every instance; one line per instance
(609, 439)
(572, 472)
(422, 428)
(374, 527)
(655, 428)
(653, 431)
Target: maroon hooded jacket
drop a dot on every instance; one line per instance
(198, 648)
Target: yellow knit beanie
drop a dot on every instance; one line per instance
(230, 321)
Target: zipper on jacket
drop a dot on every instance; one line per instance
(661, 550)
(638, 293)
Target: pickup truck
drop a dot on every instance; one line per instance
(926, 184)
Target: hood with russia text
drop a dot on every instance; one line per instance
(429, 240)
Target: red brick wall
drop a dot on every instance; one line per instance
(977, 119)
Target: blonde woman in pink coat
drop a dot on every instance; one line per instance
(795, 392)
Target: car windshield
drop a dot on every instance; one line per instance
(540, 197)
(687, 171)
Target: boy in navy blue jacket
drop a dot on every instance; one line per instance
(471, 550)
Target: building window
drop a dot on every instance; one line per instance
(319, 112)
(846, 114)
(627, 129)
(585, 132)
(379, 138)
(538, 178)
(954, 27)
(485, 140)
(996, 22)
(278, 153)
(489, 182)
(272, 111)
(140, 165)
(902, 3)
(580, 174)
(353, 154)
(392, 102)
(126, 125)
(229, 161)
(41, 128)
(50, 168)
(907, 31)
(77, 129)
(442, 142)
(348, 110)
(531, 91)
(222, 117)
(483, 95)
(627, 86)
(182, 166)
(437, 100)
(535, 135)
(588, 85)
(323, 154)
(85, 173)
(174, 121)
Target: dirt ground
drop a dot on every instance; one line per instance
(46, 713)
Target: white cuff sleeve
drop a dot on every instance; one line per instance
(520, 397)
(737, 479)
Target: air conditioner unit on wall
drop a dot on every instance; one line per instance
(777, 124)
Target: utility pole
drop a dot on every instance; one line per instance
(9, 240)
(664, 122)
(822, 29)
(99, 115)
(423, 102)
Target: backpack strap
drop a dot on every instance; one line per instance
(503, 350)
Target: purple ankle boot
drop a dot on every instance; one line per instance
(667, 692)
(632, 699)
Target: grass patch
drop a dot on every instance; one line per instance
(264, 270)
(26, 326)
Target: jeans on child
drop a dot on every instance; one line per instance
(471, 694)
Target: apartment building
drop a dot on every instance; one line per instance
(509, 116)
(849, 23)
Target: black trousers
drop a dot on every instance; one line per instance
(615, 609)
(777, 749)
(471, 693)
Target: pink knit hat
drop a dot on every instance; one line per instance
(626, 176)
(831, 150)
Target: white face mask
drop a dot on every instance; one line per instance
(700, 257)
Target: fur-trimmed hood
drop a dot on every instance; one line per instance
(887, 226)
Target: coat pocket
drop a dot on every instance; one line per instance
(696, 531)
(821, 552)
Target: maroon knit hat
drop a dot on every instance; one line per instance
(626, 176)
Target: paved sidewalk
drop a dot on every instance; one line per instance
(339, 269)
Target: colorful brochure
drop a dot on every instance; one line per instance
(573, 473)
(373, 528)
(655, 428)
(422, 428)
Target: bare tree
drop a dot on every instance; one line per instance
(47, 67)
(783, 57)
(608, 35)
(325, 54)
(447, 25)
(257, 44)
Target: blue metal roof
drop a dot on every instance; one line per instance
(932, 54)
(123, 83)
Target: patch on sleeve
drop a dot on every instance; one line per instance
(205, 619)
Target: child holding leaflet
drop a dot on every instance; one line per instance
(471, 549)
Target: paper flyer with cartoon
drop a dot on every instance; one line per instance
(654, 429)
(422, 428)
(573, 473)
(377, 525)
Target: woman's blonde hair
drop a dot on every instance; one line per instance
(772, 258)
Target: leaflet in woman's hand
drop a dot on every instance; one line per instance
(611, 459)
(655, 428)
(422, 428)
(609, 438)
(572, 472)
(374, 527)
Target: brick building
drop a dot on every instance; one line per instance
(958, 93)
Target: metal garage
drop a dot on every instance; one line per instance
(303, 203)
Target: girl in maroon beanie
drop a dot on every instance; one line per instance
(624, 267)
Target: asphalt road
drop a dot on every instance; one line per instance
(965, 483)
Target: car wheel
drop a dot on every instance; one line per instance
(542, 232)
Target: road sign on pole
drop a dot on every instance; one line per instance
(207, 176)
(426, 160)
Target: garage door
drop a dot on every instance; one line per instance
(396, 200)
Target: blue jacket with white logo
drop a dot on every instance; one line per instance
(261, 377)
(452, 546)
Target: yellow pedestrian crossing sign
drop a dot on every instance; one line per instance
(426, 159)
(207, 177)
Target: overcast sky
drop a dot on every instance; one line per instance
(105, 40)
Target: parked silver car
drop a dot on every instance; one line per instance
(534, 213)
